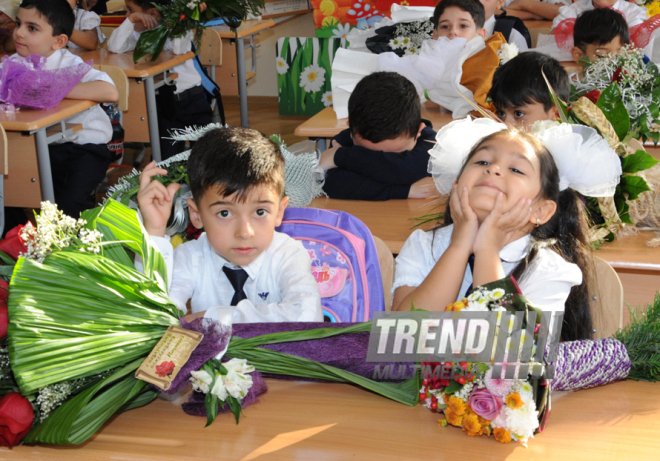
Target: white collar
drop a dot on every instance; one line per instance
(489, 25)
(516, 250)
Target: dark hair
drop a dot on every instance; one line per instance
(58, 14)
(146, 5)
(474, 7)
(565, 233)
(384, 105)
(520, 81)
(235, 160)
(600, 26)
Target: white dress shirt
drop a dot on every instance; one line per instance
(124, 38)
(280, 285)
(634, 14)
(516, 37)
(547, 282)
(87, 20)
(96, 126)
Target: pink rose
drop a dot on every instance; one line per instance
(485, 404)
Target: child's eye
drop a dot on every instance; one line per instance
(518, 114)
(444, 26)
(516, 170)
(32, 28)
(464, 26)
(482, 162)
(500, 114)
(261, 212)
(224, 213)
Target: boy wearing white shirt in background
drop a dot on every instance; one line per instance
(80, 160)
(493, 6)
(177, 108)
(633, 13)
(237, 181)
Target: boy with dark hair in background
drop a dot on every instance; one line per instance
(384, 152)
(599, 33)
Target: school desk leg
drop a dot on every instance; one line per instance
(152, 118)
(45, 173)
(2, 204)
(242, 81)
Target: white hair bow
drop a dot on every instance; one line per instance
(586, 163)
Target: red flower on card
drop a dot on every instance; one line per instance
(165, 369)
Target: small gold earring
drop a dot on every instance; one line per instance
(538, 222)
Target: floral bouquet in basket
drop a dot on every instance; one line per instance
(476, 397)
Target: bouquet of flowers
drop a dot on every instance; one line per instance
(403, 38)
(181, 16)
(483, 403)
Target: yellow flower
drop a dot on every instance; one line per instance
(176, 240)
(471, 425)
(453, 418)
(502, 435)
(457, 306)
(513, 401)
(443, 422)
(456, 405)
(653, 9)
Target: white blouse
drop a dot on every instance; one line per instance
(87, 20)
(547, 282)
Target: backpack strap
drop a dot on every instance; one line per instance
(212, 89)
(504, 24)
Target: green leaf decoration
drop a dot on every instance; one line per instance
(454, 386)
(562, 108)
(6, 259)
(639, 161)
(633, 186)
(151, 42)
(615, 111)
(211, 405)
(641, 338)
(235, 407)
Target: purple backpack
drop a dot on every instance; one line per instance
(344, 261)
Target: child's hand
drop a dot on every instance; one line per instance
(143, 21)
(466, 223)
(502, 227)
(423, 188)
(155, 200)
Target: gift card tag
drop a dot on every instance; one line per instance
(168, 357)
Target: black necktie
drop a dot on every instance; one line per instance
(237, 278)
(471, 264)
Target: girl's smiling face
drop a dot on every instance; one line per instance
(504, 165)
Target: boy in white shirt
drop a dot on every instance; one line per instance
(240, 262)
(79, 161)
(633, 13)
(178, 106)
(493, 6)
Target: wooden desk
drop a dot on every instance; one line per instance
(637, 265)
(326, 125)
(29, 179)
(314, 421)
(247, 29)
(142, 105)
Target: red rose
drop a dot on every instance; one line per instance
(16, 416)
(12, 244)
(192, 233)
(617, 75)
(165, 369)
(593, 96)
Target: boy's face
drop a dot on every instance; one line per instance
(131, 8)
(491, 7)
(454, 23)
(594, 52)
(239, 231)
(34, 35)
(524, 116)
(398, 144)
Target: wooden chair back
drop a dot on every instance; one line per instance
(606, 299)
(4, 153)
(210, 48)
(121, 82)
(386, 262)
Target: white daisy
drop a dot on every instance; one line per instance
(282, 66)
(312, 78)
(327, 98)
(341, 31)
(396, 43)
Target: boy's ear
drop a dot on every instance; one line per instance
(544, 212)
(553, 113)
(60, 42)
(500, 3)
(284, 202)
(577, 54)
(193, 211)
(422, 125)
(482, 33)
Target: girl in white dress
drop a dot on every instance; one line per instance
(87, 28)
(510, 212)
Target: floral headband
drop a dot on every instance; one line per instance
(586, 163)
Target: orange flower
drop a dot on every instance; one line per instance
(445, 397)
(453, 418)
(513, 400)
(485, 430)
(456, 405)
(471, 425)
(457, 306)
(502, 435)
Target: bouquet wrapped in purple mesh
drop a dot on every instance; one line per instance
(25, 83)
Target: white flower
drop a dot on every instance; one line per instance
(495, 294)
(312, 78)
(201, 381)
(192, 4)
(281, 66)
(341, 31)
(239, 365)
(523, 421)
(507, 52)
(475, 296)
(219, 389)
(327, 98)
(237, 384)
(480, 305)
(411, 51)
(396, 43)
(405, 42)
